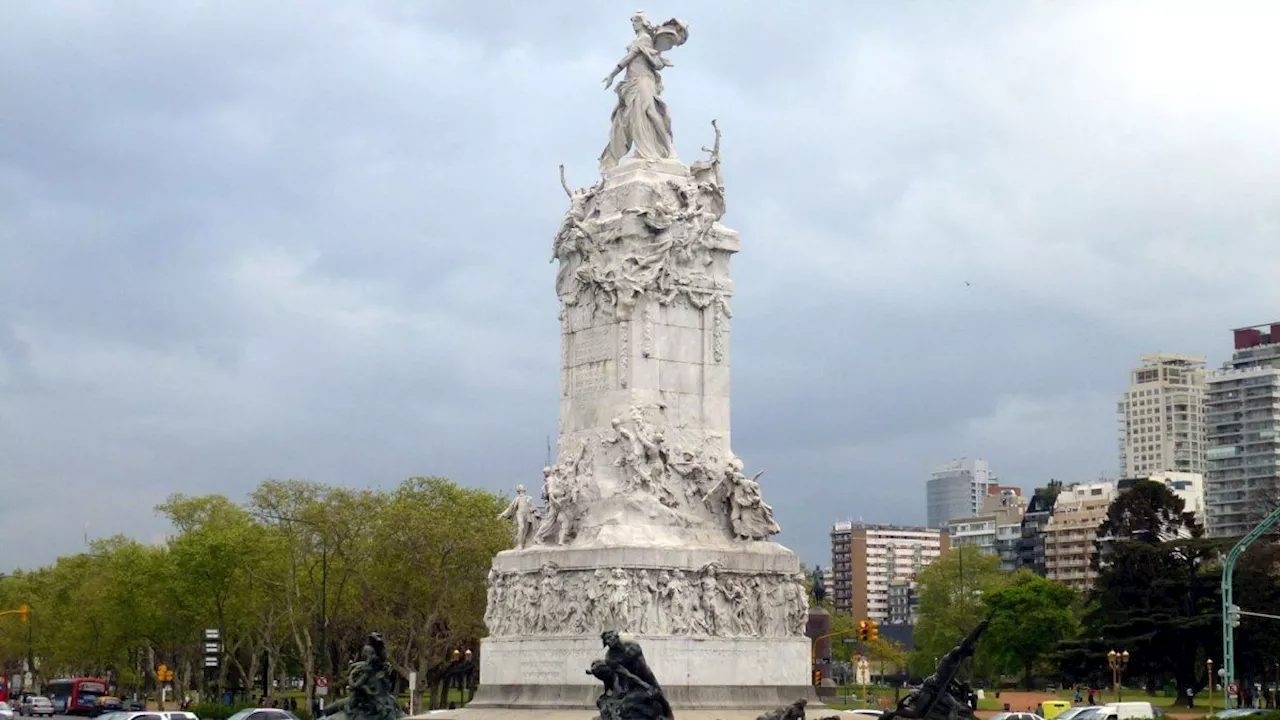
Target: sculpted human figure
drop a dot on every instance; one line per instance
(794, 711)
(640, 119)
(372, 686)
(798, 610)
(597, 601)
(681, 599)
(557, 494)
(620, 599)
(715, 605)
(627, 655)
(493, 599)
(550, 598)
(644, 603)
(631, 455)
(750, 518)
(521, 512)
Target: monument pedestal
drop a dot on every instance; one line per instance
(650, 527)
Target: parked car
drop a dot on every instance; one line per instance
(1016, 716)
(179, 715)
(6, 712)
(36, 705)
(106, 704)
(1080, 712)
(263, 714)
(1128, 711)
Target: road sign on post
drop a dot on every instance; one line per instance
(322, 686)
(1233, 689)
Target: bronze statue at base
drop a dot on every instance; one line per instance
(631, 692)
(372, 682)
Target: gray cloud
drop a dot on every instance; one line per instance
(241, 241)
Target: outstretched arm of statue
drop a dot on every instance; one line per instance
(336, 707)
(622, 65)
(631, 677)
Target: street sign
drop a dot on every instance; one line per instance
(211, 662)
(850, 641)
(211, 634)
(322, 686)
(1233, 689)
(211, 648)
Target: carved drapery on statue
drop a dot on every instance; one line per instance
(644, 601)
(640, 120)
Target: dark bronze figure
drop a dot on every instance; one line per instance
(372, 682)
(631, 692)
(794, 711)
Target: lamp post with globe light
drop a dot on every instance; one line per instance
(1117, 661)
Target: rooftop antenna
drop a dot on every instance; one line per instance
(548, 451)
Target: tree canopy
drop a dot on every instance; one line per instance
(293, 580)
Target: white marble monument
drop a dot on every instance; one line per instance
(648, 524)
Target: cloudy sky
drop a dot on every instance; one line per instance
(244, 240)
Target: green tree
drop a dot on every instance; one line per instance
(1030, 617)
(428, 582)
(951, 592)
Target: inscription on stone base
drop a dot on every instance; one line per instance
(593, 345)
(589, 380)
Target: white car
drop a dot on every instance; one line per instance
(6, 712)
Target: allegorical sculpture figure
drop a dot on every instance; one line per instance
(640, 119)
(750, 517)
(631, 692)
(372, 688)
(521, 511)
(941, 696)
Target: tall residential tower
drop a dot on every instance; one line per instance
(1162, 422)
(957, 490)
(1243, 417)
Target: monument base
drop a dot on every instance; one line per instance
(695, 672)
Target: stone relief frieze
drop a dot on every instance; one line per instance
(710, 602)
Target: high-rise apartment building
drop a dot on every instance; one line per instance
(1031, 543)
(997, 529)
(1071, 533)
(957, 489)
(1243, 417)
(1162, 421)
(866, 560)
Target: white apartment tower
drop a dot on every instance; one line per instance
(1243, 417)
(957, 490)
(1162, 419)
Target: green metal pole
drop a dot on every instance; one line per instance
(1228, 569)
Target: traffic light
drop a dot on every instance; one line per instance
(1233, 615)
(24, 611)
(864, 630)
(873, 630)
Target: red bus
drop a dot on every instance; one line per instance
(74, 696)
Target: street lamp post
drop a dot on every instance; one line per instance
(1117, 661)
(1209, 665)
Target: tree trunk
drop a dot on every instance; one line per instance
(1027, 680)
